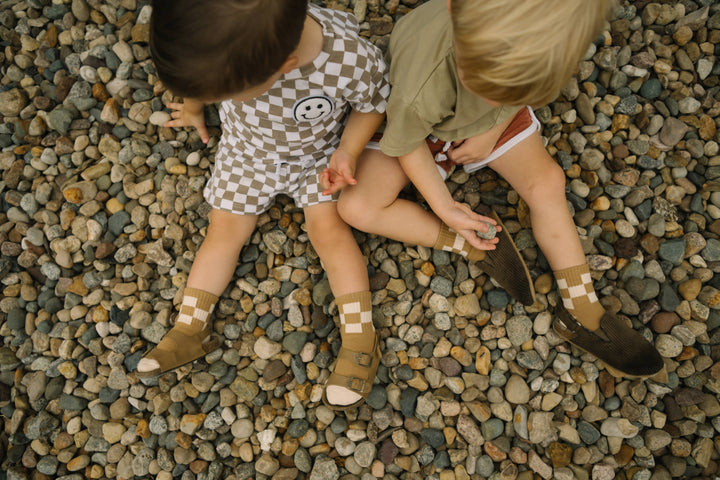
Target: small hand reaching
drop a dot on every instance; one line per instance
(188, 114)
(339, 173)
(466, 223)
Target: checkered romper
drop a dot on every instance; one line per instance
(280, 141)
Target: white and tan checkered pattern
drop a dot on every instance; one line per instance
(449, 241)
(250, 188)
(572, 295)
(297, 122)
(352, 317)
(197, 304)
(457, 246)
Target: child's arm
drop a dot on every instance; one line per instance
(189, 114)
(359, 129)
(420, 167)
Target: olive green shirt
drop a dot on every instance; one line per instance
(427, 97)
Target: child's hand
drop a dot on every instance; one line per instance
(339, 174)
(188, 114)
(465, 222)
(473, 149)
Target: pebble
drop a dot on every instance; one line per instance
(516, 390)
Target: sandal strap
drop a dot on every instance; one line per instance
(356, 370)
(180, 345)
(361, 386)
(361, 359)
(570, 323)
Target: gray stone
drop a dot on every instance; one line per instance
(324, 469)
(673, 131)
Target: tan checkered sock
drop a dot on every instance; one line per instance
(356, 327)
(578, 295)
(197, 304)
(450, 241)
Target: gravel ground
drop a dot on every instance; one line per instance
(102, 213)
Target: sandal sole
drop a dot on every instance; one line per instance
(209, 347)
(509, 256)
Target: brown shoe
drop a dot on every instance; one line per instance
(181, 345)
(619, 346)
(355, 371)
(507, 267)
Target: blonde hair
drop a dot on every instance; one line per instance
(522, 52)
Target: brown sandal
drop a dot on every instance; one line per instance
(354, 371)
(620, 347)
(507, 267)
(181, 345)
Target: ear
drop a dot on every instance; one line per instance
(448, 5)
(289, 65)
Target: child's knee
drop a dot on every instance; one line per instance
(324, 232)
(354, 210)
(547, 187)
(227, 225)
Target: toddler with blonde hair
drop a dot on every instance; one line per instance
(463, 74)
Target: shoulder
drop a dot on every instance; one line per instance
(337, 21)
(421, 49)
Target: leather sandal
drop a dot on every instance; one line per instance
(181, 345)
(507, 267)
(354, 371)
(622, 348)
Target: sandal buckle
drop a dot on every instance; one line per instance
(363, 359)
(352, 381)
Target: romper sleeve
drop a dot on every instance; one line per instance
(369, 88)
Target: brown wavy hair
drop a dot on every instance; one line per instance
(217, 48)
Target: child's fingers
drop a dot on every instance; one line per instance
(478, 242)
(324, 179)
(174, 123)
(475, 217)
(175, 106)
(491, 221)
(202, 130)
(349, 179)
(332, 189)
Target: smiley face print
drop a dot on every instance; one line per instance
(312, 108)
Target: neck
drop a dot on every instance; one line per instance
(311, 42)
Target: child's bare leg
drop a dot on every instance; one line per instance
(373, 205)
(216, 260)
(211, 272)
(541, 183)
(345, 266)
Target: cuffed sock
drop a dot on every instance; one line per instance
(196, 307)
(197, 304)
(356, 328)
(578, 295)
(450, 241)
